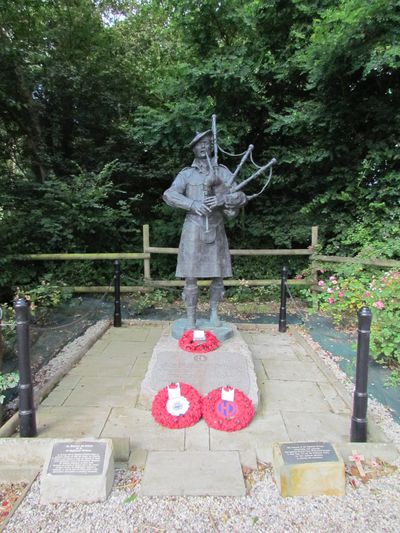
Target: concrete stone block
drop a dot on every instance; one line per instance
(17, 474)
(386, 451)
(193, 474)
(137, 458)
(248, 459)
(121, 449)
(78, 471)
(308, 469)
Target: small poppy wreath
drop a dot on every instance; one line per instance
(187, 343)
(177, 406)
(227, 409)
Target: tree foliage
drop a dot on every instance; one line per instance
(100, 97)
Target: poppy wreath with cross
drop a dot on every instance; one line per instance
(229, 414)
(187, 343)
(177, 406)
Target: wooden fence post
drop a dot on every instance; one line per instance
(146, 246)
(314, 244)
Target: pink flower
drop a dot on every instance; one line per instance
(379, 304)
(367, 294)
(330, 300)
(340, 294)
(298, 276)
(321, 283)
(329, 290)
(332, 278)
(334, 282)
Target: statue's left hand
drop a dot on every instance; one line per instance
(234, 200)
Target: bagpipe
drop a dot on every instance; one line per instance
(231, 187)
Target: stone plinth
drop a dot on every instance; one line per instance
(223, 332)
(230, 364)
(308, 469)
(78, 471)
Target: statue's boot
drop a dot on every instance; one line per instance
(216, 293)
(190, 296)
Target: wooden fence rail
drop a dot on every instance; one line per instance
(149, 283)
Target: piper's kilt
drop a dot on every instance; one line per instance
(204, 254)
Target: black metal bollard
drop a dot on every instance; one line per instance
(282, 310)
(27, 417)
(358, 431)
(117, 294)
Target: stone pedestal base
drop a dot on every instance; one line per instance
(230, 364)
(308, 469)
(223, 332)
(78, 471)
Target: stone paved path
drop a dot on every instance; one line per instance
(299, 400)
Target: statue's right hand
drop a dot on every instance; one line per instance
(200, 208)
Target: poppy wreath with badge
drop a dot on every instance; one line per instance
(177, 406)
(187, 343)
(227, 409)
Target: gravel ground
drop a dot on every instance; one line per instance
(373, 506)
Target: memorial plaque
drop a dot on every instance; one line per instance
(77, 458)
(308, 452)
(308, 469)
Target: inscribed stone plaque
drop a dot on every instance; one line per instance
(78, 471)
(77, 458)
(308, 469)
(308, 452)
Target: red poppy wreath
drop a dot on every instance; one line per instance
(177, 406)
(227, 409)
(187, 343)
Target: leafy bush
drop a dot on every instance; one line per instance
(341, 296)
(7, 381)
(45, 295)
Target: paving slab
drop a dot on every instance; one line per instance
(270, 338)
(299, 399)
(317, 426)
(193, 474)
(197, 437)
(65, 421)
(299, 396)
(126, 348)
(106, 367)
(266, 429)
(56, 398)
(293, 370)
(280, 353)
(142, 430)
(107, 395)
(336, 402)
